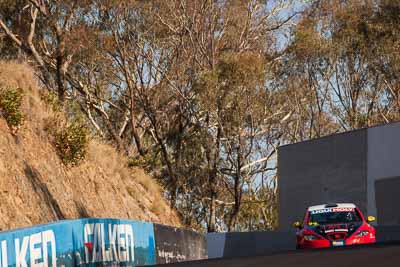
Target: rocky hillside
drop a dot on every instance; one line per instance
(35, 187)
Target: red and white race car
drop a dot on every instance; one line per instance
(332, 225)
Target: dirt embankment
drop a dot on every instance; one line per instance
(35, 187)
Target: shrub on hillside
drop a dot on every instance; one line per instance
(10, 104)
(71, 142)
(149, 161)
(51, 100)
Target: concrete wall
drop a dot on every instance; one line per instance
(176, 245)
(387, 234)
(331, 169)
(387, 196)
(230, 245)
(383, 160)
(215, 245)
(342, 168)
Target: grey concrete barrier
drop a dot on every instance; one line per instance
(365, 256)
(176, 245)
(226, 245)
(215, 245)
(387, 233)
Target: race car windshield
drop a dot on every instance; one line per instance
(333, 217)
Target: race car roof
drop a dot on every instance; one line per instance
(338, 205)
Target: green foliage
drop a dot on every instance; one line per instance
(71, 143)
(241, 68)
(149, 161)
(259, 211)
(51, 100)
(10, 103)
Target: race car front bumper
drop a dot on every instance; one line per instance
(325, 243)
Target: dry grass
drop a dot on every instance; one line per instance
(142, 178)
(117, 164)
(35, 187)
(20, 75)
(132, 192)
(157, 207)
(106, 157)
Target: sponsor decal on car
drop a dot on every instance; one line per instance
(337, 243)
(332, 210)
(336, 230)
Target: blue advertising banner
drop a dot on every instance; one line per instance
(84, 242)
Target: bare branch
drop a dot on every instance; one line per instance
(10, 33)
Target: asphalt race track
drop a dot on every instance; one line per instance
(379, 255)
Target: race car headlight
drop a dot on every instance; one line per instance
(362, 233)
(310, 237)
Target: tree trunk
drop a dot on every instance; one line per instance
(212, 220)
(134, 131)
